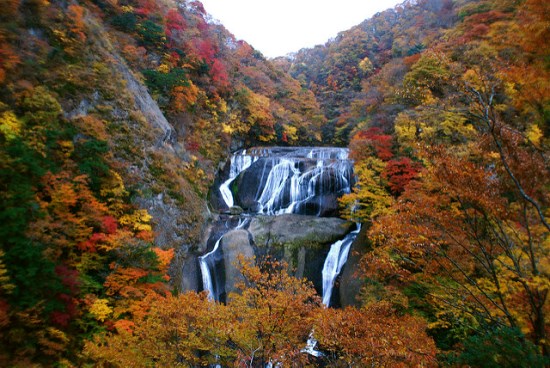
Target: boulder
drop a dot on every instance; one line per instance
(301, 241)
(188, 274)
(350, 285)
(234, 244)
(294, 231)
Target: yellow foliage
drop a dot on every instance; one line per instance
(227, 129)
(52, 340)
(427, 125)
(472, 78)
(163, 68)
(369, 199)
(366, 65)
(100, 309)
(534, 134)
(138, 221)
(405, 128)
(5, 285)
(164, 256)
(291, 133)
(114, 192)
(10, 126)
(66, 147)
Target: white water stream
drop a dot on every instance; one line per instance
(207, 262)
(336, 259)
(291, 177)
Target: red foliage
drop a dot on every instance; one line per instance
(110, 224)
(192, 145)
(146, 7)
(69, 277)
(218, 74)
(174, 59)
(371, 141)
(174, 22)
(202, 25)
(198, 7)
(206, 50)
(399, 172)
(410, 60)
(60, 318)
(90, 244)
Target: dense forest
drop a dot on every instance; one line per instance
(115, 116)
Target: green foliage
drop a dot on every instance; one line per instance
(41, 108)
(151, 33)
(502, 347)
(140, 255)
(90, 156)
(162, 82)
(126, 22)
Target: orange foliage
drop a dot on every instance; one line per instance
(76, 15)
(71, 214)
(374, 336)
(183, 97)
(8, 58)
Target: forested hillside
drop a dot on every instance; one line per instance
(116, 115)
(446, 106)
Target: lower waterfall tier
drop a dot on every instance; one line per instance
(301, 241)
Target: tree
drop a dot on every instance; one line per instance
(373, 336)
(268, 320)
(482, 250)
(273, 315)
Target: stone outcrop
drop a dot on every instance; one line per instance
(296, 231)
(350, 284)
(234, 244)
(301, 241)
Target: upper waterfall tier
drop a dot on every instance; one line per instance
(278, 180)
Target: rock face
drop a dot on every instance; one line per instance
(297, 230)
(350, 285)
(301, 241)
(234, 244)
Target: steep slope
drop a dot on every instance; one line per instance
(114, 116)
(446, 108)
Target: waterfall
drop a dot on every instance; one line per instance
(208, 267)
(283, 180)
(290, 180)
(336, 258)
(239, 163)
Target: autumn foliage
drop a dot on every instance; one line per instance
(445, 107)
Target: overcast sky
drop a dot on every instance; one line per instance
(278, 27)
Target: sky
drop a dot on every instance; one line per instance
(278, 27)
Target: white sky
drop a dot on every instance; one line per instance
(279, 27)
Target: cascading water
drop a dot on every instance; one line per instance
(282, 180)
(239, 163)
(336, 259)
(290, 180)
(207, 264)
